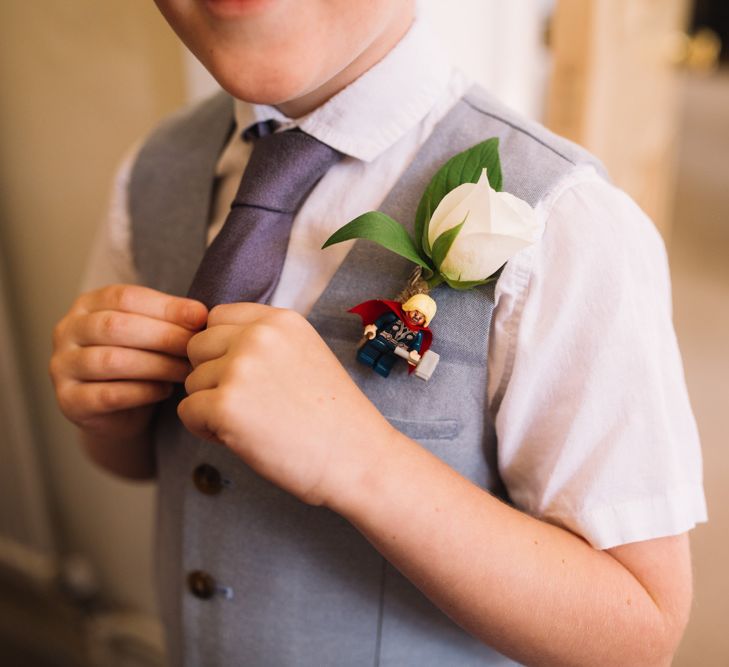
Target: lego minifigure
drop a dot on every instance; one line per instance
(396, 330)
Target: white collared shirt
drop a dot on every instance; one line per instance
(593, 421)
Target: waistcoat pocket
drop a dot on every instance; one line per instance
(427, 429)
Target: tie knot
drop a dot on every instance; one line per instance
(261, 129)
(282, 170)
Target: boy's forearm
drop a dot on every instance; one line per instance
(130, 457)
(529, 589)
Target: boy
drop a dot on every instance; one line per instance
(260, 562)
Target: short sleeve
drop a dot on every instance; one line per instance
(111, 260)
(593, 420)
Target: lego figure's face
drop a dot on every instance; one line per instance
(294, 54)
(415, 318)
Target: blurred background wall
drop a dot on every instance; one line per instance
(83, 80)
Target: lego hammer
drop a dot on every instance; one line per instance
(424, 364)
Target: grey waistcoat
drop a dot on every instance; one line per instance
(307, 589)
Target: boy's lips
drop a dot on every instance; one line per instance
(234, 8)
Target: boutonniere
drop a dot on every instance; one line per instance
(465, 230)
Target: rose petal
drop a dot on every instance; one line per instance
(513, 216)
(475, 203)
(442, 217)
(477, 256)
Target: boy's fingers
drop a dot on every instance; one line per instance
(196, 414)
(211, 343)
(205, 376)
(239, 313)
(140, 300)
(119, 363)
(111, 327)
(91, 399)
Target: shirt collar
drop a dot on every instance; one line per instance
(367, 117)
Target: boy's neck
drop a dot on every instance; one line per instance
(372, 54)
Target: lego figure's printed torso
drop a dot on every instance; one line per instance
(392, 332)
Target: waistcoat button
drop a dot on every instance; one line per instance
(207, 479)
(201, 584)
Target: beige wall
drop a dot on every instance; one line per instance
(700, 273)
(81, 80)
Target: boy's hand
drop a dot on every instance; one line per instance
(117, 352)
(268, 387)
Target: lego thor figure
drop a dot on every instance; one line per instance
(393, 330)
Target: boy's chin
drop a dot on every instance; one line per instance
(262, 86)
(258, 94)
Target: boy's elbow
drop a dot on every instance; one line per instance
(659, 640)
(674, 628)
(662, 568)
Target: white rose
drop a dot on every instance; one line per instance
(498, 225)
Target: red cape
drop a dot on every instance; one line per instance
(369, 311)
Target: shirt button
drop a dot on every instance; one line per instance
(207, 479)
(201, 584)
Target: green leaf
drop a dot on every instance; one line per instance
(444, 242)
(466, 167)
(382, 229)
(422, 235)
(435, 280)
(468, 284)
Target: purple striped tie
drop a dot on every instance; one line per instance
(245, 260)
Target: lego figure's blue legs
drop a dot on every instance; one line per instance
(384, 364)
(376, 355)
(370, 352)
